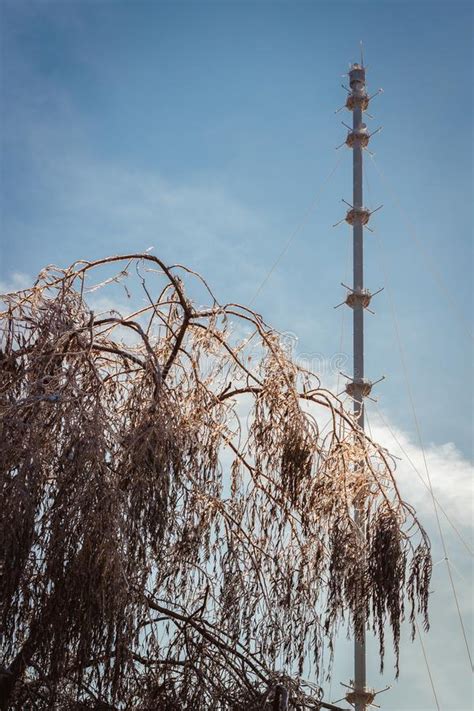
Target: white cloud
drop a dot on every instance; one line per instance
(450, 472)
(14, 282)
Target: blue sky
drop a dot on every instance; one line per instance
(206, 129)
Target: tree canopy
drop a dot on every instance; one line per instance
(177, 523)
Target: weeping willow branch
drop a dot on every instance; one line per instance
(171, 459)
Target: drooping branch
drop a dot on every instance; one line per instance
(169, 459)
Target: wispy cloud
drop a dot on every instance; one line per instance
(450, 473)
(88, 207)
(14, 282)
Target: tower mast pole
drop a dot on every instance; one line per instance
(358, 298)
(357, 84)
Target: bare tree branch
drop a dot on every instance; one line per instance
(173, 460)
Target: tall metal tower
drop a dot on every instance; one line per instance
(358, 299)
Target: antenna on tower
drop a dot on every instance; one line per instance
(358, 298)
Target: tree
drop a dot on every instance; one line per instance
(162, 548)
